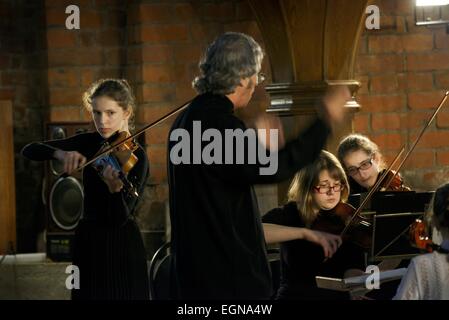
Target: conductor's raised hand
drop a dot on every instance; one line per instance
(334, 100)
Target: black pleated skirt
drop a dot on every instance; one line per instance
(112, 262)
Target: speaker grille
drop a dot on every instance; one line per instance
(66, 202)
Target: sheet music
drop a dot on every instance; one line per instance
(352, 283)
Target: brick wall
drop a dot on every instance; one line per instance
(44, 68)
(405, 72)
(22, 73)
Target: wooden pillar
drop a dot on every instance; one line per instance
(7, 182)
(311, 44)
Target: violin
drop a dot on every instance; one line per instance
(121, 158)
(118, 150)
(419, 237)
(393, 182)
(342, 216)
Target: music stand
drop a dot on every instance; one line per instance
(390, 236)
(392, 214)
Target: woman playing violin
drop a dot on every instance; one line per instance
(427, 276)
(364, 164)
(305, 253)
(108, 248)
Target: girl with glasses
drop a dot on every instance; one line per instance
(305, 252)
(363, 163)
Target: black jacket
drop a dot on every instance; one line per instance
(217, 239)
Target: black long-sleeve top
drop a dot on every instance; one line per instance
(99, 204)
(218, 247)
(302, 261)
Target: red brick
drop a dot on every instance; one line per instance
(385, 121)
(158, 134)
(90, 19)
(5, 61)
(187, 53)
(184, 93)
(185, 12)
(428, 61)
(87, 77)
(6, 94)
(65, 97)
(204, 33)
(443, 158)
(415, 120)
(89, 57)
(65, 114)
(158, 73)
(217, 11)
(164, 33)
(404, 7)
(63, 77)
(363, 45)
(65, 3)
(158, 174)
(13, 78)
(149, 114)
(150, 13)
(441, 39)
(88, 38)
(379, 63)
(157, 53)
(432, 139)
(442, 80)
(424, 100)
(384, 83)
(443, 119)
(61, 38)
(56, 17)
(421, 159)
(382, 103)
(110, 37)
(157, 154)
(392, 141)
(384, 43)
(417, 42)
(157, 93)
(361, 123)
(415, 81)
(115, 57)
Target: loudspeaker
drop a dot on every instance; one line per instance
(62, 195)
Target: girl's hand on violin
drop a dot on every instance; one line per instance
(71, 159)
(112, 180)
(329, 242)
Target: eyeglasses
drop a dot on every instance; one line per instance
(365, 165)
(325, 188)
(261, 78)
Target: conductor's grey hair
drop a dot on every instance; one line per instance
(231, 57)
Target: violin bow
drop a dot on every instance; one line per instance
(371, 192)
(139, 132)
(429, 122)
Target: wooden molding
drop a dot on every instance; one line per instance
(7, 181)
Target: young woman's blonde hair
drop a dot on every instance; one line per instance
(301, 188)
